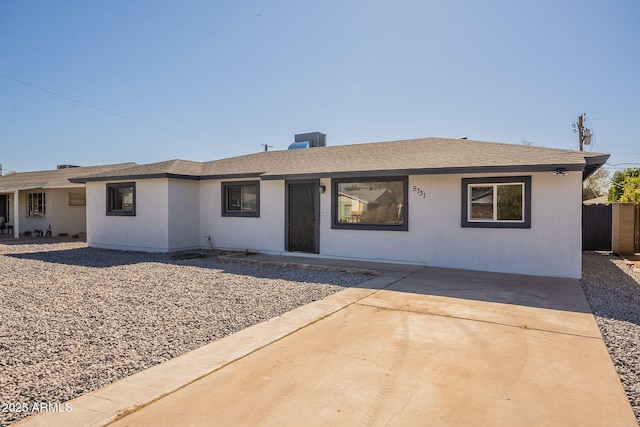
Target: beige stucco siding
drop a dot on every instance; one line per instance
(62, 217)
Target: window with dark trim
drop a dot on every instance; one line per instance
(241, 198)
(36, 205)
(500, 202)
(121, 199)
(378, 203)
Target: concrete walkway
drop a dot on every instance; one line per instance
(412, 346)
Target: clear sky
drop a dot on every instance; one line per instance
(203, 80)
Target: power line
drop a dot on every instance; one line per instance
(120, 116)
(615, 112)
(523, 126)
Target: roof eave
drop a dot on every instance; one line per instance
(21, 188)
(86, 179)
(428, 171)
(233, 175)
(593, 163)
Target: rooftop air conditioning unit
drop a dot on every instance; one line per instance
(308, 140)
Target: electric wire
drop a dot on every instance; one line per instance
(118, 115)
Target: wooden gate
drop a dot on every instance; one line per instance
(596, 227)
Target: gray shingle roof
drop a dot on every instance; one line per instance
(185, 169)
(53, 178)
(415, 156)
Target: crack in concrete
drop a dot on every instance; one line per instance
(403, 407)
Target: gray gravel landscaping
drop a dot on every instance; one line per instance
(613, 290)
(73, 319)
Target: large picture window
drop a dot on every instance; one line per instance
(36, 205)
(241, 198)
(370, 203)
(121, 199)
(503, 202)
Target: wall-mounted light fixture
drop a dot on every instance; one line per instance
(561, 171)
(323, 188)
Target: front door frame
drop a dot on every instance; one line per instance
(316, 207)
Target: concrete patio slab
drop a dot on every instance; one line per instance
(413, 346)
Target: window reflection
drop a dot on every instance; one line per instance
(370, 202)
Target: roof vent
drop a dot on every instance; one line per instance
(308, 140)
(67, 166)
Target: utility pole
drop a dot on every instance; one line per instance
(584, 134)
(266, 147)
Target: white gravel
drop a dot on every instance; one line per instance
(613, 290)
(73, 319)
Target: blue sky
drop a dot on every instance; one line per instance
(202, 80)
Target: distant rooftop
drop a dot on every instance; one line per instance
(55, 178)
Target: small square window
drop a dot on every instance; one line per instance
(121, 199)
(241, 198)
(77, 199)
(502, 202)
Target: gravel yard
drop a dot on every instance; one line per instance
(73, 319)
(613, 291)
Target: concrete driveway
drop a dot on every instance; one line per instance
(413, 346)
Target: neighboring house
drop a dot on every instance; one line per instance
(438, 202)
(362, 205)
(32, 201)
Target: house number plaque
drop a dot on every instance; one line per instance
(420, 192)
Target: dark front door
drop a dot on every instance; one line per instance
(302, 217)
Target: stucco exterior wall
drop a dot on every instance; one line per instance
(551, 247)
(67, 219)
(175, 214)
(184, 214)
(62, 217)
(263, 234)
(148, 230)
